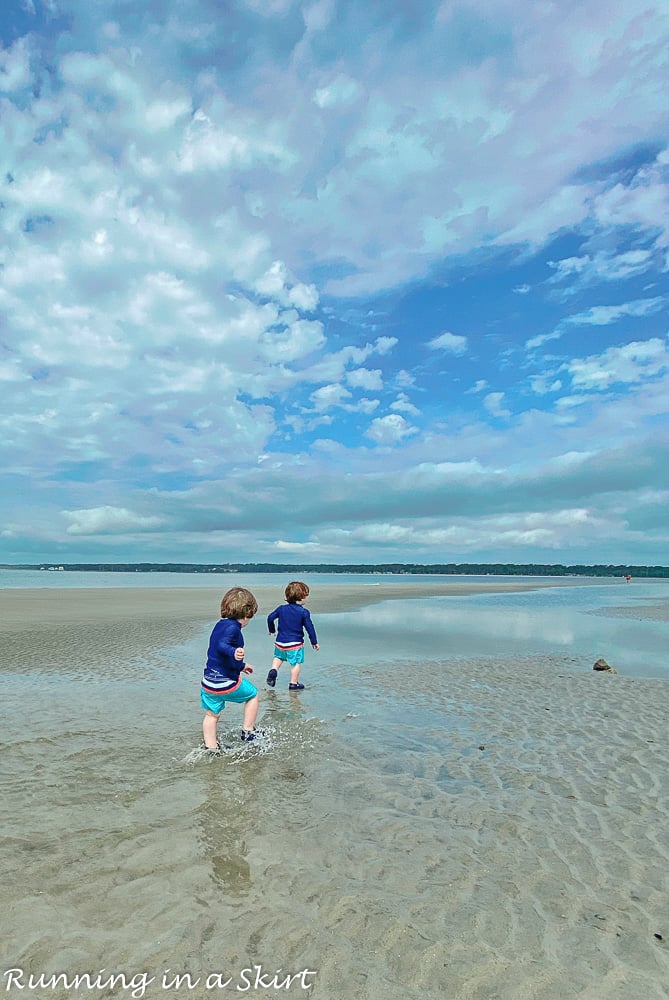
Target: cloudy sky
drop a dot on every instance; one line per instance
(334, 281)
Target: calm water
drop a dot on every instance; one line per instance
(570, 622)
(565, 620)
(75, 578)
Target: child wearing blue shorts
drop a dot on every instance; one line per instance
(294, 620)
(222, 681)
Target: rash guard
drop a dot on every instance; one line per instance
(222, 674)
(293, 620)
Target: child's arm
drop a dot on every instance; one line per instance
(271, 618)
(311, 631)
(239, 655)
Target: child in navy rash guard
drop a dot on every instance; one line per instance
(223, 680)
(294, 620)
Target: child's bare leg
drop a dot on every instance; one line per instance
(250, 713)
(295, 673)
(209, 724)
(276, 663)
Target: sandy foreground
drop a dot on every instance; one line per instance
(501, 835)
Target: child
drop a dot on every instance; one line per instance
(222, 681)
(289, 644)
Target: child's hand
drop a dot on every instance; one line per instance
(316, 647)
(248, 669)
(239, 653)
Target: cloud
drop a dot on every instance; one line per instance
(404, 405)
(225, 239)
(109, 520)
(494, 404)
(328, 396)
(365, 378)
(389, 429)
(601, 267)
(15, 67)
(340, 91)
(449, 342)
(603, 315)
(635, 362)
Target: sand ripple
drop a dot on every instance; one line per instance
(454, 830)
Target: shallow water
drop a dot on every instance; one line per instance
(429, 818)
(576, 622)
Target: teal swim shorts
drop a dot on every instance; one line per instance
(216, 702)
(292, 656)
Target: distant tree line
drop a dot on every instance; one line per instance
(435, 569)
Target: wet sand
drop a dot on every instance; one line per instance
(501, 833)
(48, 606)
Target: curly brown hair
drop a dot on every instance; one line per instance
(296, 591)
(238, 603)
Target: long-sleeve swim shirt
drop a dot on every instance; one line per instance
(223, 671)
(293, 621)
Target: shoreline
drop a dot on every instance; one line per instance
(49, 606)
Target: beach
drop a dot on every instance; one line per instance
(451, 827)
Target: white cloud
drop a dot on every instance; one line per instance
(299, 338)
(340, 91)
(390, 429)
(275, 283)
(603, 315)
(544, 384)
(451, 342)
(600, 267)
(541, 339)
(328, 396)
(494, 404)
(15, 67)
(298, 547)
(364, 378)
(634, 362)
(108, 520)
(404, 405)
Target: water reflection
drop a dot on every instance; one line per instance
(562, 621)
(256, 794)
(224, 820)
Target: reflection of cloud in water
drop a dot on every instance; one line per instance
(498, 623)
(539, 622)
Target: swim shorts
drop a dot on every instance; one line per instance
(216, 702)
(292, 656)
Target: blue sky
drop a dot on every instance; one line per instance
(334, 282)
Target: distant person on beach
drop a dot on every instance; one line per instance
(223, 679)
(294, 620)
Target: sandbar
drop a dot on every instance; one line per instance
(46, 606)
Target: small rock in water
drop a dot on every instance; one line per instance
(602, 665)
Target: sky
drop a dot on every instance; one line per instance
(304, 282)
